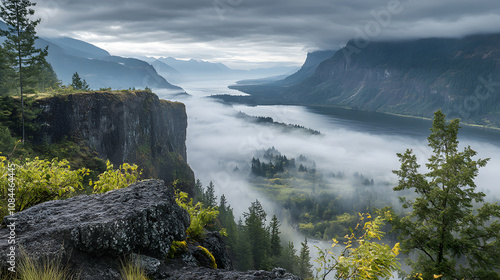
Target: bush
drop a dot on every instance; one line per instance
(200, 217)
(361, 258)
(113, 179)
(37, 181)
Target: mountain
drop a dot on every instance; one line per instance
(313, 59)
(97, 66)
(179, 71)
(413, 77)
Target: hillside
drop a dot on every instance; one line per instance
(414, 77)
(97, 66)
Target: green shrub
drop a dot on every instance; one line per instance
(361, 258)
(113, 179)
(201, 217)
(37, 181)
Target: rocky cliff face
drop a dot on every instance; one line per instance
(417, 77)
(90, 235)
(134, 127)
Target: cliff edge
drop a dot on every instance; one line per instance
(128, 126)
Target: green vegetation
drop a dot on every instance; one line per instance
(317, 204)
(77, 83)
(450, 228)
(37, 181)
(26, 61)
(30, 269)
(113, 179)
(361, 258)
(201, 217)
(132, 270)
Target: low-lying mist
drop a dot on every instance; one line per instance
(221, 147)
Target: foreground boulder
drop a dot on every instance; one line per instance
(90, 234)
(202, 273)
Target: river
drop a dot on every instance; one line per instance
(220, 145)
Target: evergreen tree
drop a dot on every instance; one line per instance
(6, 73)
(450, 237)
(244, 258)
(199, 191)
(226, 219)
(78, 83)
(20, 44)
(289, 259)
(305, 267)
(47, 77)
(257, 234)
(275, 237)
(210, 200)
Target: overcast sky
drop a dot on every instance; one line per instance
(255, 33)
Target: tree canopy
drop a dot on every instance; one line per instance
(451, 229)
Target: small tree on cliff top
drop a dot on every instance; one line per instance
(450, 237)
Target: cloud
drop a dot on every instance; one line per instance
(217, 29)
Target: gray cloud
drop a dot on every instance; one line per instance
(217, 29)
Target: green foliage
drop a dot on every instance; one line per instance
(113, 179)
(305, 267)
(20, 40)
(450, 236)
(201, 217)
(11, 115)
(289, 259)
(77, 83)
(209, 198)
(37, 181)
(257, 234)
(275, 237)
(132, 269)
(361, 258)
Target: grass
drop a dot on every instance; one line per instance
(132, 270)
(30, 269)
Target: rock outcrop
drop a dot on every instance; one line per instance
(131, 126)
(91, 233)
(202, 273)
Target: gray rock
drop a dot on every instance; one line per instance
(91, 233)
(202, 273)
(134, 127)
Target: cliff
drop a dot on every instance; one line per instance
(415, 77)
(134, 127)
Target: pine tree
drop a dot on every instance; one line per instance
(244, 258)
(305, 267)
(289, 259)
(258, 236)
(275, 237)
(78, 83)
(450, 237)
(210, 200)
(199, 192)
(20, 44)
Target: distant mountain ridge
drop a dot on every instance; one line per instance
(179, 71)
(97, 66)
(413, 77)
